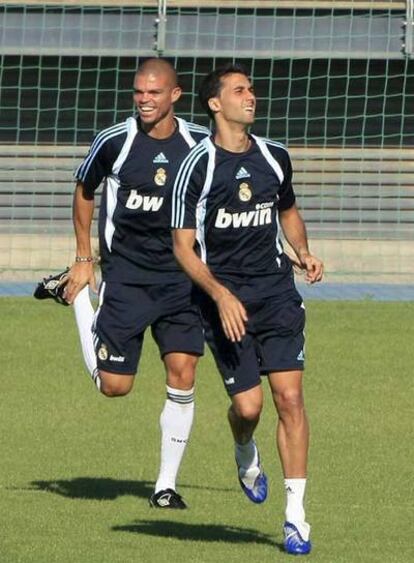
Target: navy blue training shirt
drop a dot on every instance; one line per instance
(134, 220)
(233, 201)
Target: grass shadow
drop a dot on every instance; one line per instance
(196, 532)
(103, 488)
(94, 488)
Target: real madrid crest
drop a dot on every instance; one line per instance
(245, 192)
(160, 177)
(103, 352)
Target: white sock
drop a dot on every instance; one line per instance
(176, 421)
(295, 512)
(247, 458)
(84, 314)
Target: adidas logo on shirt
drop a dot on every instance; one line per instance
(160, 159)
(242, 173)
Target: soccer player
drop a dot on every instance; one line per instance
(142, 284)
(233, 196)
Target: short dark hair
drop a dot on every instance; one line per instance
(211, 84)
(159, 66)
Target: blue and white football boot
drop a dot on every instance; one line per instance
(253, 482)
(293, 541)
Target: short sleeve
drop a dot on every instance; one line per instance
(99, 161)
(286, 194)
(187, 189)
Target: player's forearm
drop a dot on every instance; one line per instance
(232, 313)
(195, 268)
(294, 230)
(82, 220)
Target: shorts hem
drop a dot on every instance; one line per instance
(189, 352)
(266, 371)
(231, 393)
(118, 372)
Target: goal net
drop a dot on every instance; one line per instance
(334, 81)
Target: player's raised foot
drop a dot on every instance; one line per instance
(167, 498)
(293, 541)
(253, 482)
(52, 287)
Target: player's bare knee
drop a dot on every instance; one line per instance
(114, 385)
(248, 412)
(290, 400)
(110, 391)
(183, 380)
(181, 372)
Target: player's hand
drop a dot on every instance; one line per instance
(313, 268)
(296, 263)
(80, 275)
(233, 316)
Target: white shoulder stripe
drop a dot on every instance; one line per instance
(132, 130)
(261, 143)
(200, 128)
(274, 143)
(99, 140)
(181, 183)
(186, 129)
(185, 132)
(107, 133)
(202, 201)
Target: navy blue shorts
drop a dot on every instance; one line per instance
(125, 311)
(274, 340)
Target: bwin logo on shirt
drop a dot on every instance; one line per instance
(262, 215)
(146, 202)
(160, 159)
(242, 173)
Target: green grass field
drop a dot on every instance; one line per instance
(77, 468)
